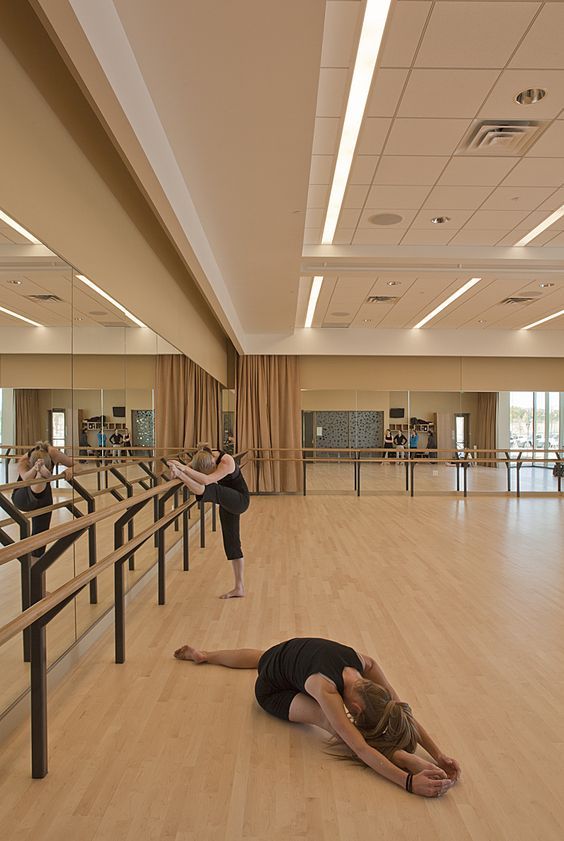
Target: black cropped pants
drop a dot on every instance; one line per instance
(26, 500)
(232, 504)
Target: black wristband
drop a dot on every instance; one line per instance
(409, 783)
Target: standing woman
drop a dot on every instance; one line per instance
(388, 444)
(38, 464)
(214, 476)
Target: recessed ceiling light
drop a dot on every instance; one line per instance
(468, 285)
(482, 321)
(17, 227)
(374, 21)
(394, 283)
(440, 220)
(109, 298)
(542, 320)
(313, 296)
(367, 321)
(14, 282)
(21, 317)
(545, 285)
(550, 220)
(530, 96)
(78, 318)
(385, 219)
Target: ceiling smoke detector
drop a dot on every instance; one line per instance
(530, 96)
(385, 219)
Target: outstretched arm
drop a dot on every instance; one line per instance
(374, 672)
(223, 469)
(427, 783)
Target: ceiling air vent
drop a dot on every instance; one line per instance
(54, 298)
(381, 299)
(111, 324)
(517, 300)
(501, 137)
(332, 326)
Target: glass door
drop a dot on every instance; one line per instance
(540, 426)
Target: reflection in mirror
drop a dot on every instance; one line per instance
(228, 411)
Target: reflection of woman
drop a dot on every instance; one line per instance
(311, 681)
(215, 477)
(388, 444)
(38, 463)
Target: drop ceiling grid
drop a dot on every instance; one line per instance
(488, 196)
(515, 316)
(348, 295)
(468, 309)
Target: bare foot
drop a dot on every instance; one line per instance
(186, 652)
(236, 593)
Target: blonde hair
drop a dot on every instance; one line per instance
(41, 450)
(203, 460)
(386, 724)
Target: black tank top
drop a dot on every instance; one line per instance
(233, 480)
(289, 664)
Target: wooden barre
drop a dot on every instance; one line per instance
(29, 544)
(40, 608)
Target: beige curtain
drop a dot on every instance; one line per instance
(187, 403)
(28, 420)
(485, 437)
(269, 416)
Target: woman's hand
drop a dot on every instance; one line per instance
(412, 762)
(450, 766)
(431, 783)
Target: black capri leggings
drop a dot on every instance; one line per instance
(232, 504)
(26, 500)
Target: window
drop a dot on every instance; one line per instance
(58, 427)
(521, 420)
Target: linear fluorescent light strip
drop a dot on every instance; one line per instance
(550, 220)
(13, 224)
(542, 320)
(313, 296)
(110, 299)
(21, 317)
(373, 25)
(468, 285)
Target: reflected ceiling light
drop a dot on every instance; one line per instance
(110, 299)
(13, 224)
(21, 317)
(373, 25)
(550, 220)
(313, 296)
(542, 320)
(468, 285)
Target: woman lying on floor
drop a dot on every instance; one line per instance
(311, 681)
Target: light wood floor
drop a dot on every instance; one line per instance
(460, 600)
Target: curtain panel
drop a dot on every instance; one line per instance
(269, 418)
(28, 419)
(486, 426)
(188, 404)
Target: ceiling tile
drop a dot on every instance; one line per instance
(355, 195)
(382, 236)
(555, 200)
(446, 93)
(542, 45)
(407, 217)
(382, 195)
(372, 135)
(557, 241)
(349, 217)
(537, 172)
(473, 34)
(403, 31)
(518, 233)
(457, 198)
(551, 143)
(340, 33)
(312, 236)
(517, 198)
(501, 220)
(501, 104)
(536, 217)
(479, 172)
(317, 195)
(416, 170)
(362, 169)
(332, 92)
(321, 169)
(425, 137)
(455, 218)
(314, 218)
(326, 136)
(427, 236)
(343, 236)
(481, 238)
(386, 90)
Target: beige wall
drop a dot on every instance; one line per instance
(65, 182)
(431, 373)
(60, 371)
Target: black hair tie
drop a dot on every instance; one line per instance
(409, 783)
